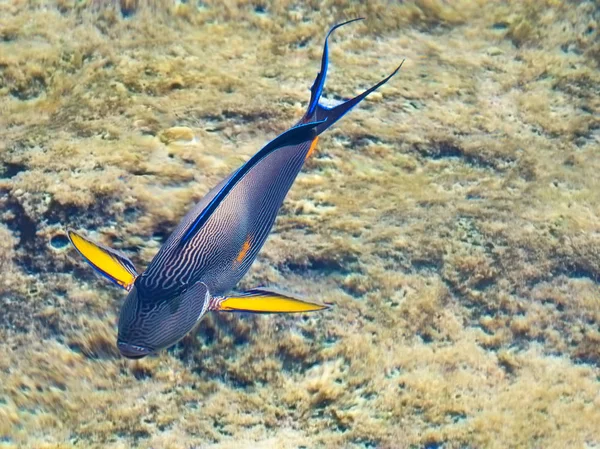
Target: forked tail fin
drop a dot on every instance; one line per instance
(317, 88)
(318, 112)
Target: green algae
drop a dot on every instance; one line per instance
(452, 220)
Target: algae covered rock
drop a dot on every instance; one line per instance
(177, 134)
(453, 221)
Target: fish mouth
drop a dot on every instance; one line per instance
(132, 351)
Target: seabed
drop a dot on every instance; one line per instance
(453, 220)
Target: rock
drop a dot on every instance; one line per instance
(178, 134)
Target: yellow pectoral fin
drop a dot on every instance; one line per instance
(265, 301)
(108, 262)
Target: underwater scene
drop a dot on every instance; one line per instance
(222, 227)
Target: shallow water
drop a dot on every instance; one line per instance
(452, 219)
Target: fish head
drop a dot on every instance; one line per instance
(154, 319)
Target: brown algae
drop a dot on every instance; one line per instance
(454, 223)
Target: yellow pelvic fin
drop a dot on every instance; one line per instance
(108, 262)
(266, 301)
(312, 148)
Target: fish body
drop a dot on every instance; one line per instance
(217, 241)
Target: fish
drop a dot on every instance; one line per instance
(217, 241)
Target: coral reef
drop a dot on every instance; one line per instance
(453, 219)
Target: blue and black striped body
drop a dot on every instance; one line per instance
(244, 217)
(218, 240)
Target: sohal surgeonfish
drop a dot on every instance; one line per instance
(217, 241)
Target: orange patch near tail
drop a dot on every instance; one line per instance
(243, 251)
(312, 148)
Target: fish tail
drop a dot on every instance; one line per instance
(329, 115)
(317, 88)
